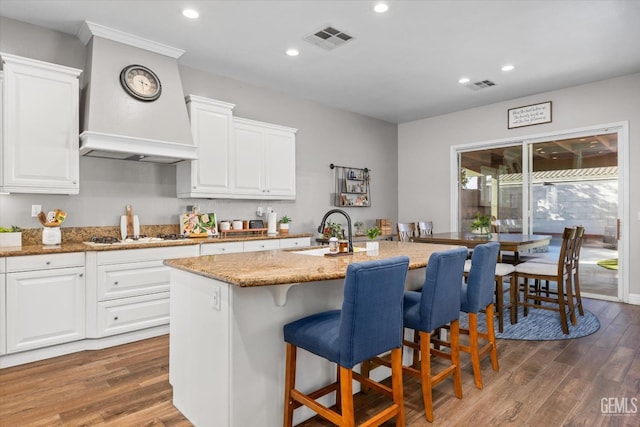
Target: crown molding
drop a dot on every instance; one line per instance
(90, 29)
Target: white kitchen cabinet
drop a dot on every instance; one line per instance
(45, 303)
(296, 242)
(265, 160)
(221, 248)
(39, 120)
(261, 245)
(129, 289)
(3, 309)
(210, 175)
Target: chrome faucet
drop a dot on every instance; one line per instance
(346, 215)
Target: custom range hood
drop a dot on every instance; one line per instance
(117, 125)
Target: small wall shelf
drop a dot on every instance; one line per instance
(351, 186)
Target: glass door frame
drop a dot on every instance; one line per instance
(622, 129)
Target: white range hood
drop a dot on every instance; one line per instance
(109, 146)
(116, 125)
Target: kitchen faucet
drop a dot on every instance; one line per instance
(346, 215)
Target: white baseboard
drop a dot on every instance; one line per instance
(634, 299)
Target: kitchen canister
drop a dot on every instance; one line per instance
(225, 225)
(51, 236)
(237, 224)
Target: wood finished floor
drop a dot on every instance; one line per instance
(547, 384)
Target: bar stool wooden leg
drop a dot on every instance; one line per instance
(474, 345)
(346, 392)
(491, 337)
(425, 370)
(455, 358)
(396, 385)
(289, 384)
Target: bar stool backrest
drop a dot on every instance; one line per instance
(371, 316)
(440, 300)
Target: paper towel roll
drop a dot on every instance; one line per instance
(271, 223)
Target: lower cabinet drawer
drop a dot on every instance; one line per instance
(132, 279)
(132, 314)
(261, 245)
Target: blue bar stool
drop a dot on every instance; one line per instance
(369, 324)
(477, 294)
(436, 305)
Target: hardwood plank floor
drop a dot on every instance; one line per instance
(545, 383)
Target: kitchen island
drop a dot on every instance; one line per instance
(227, 351)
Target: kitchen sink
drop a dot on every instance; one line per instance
(323, 250)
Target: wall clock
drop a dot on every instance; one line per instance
(140, 82)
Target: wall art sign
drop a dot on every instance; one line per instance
(530, 115)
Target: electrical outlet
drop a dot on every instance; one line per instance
(35, 210)
(215, 302)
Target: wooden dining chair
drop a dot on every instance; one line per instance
(575, 267)
(425, 228)
(406, 231)
(561, 273)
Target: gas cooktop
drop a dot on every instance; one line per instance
(129, 240)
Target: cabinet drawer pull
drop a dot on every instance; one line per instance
(48, 263)
(115, 283)
(115, 318)
(80, 275)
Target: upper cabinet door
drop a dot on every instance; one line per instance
(265, 164)
(210, 175)
(40, 146)
(249, 155)
(280, 165)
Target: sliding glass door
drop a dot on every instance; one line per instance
(574, 181)
(540, 186)
(491, 184)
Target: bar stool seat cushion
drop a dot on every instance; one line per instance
(317, 334)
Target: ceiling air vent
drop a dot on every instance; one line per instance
(480, 84)
(328, 38)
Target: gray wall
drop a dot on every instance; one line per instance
(325, 135)
(430, 141)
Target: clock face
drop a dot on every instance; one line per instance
(140, 82)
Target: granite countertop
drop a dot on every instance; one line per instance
(73, 238)
(278, 267)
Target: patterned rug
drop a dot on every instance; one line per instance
(540, 325)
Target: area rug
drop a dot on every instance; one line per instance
(609, 264)
(540, 325)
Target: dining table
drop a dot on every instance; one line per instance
(509, 242)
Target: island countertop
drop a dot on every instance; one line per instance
(277, 267)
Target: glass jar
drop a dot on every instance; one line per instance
(344, 245)
(333, 245)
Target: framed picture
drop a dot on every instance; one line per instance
(355, 174)
(529, 115)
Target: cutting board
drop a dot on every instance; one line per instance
(129, 224)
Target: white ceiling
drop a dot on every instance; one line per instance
(401, 66)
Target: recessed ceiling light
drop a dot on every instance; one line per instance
(381, 7)
(293, 52)
(190, 13)
(464, 80)
(507, 67)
